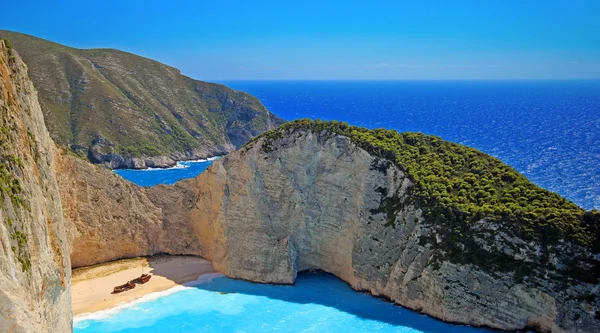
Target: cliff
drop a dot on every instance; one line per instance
(35, 271)
(307, 197)
(107, 217)
(125, 111)
(367, 207)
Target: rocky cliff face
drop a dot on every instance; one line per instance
(317, 201)
(107, 217)
(35, 272)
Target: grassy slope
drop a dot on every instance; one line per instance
(457, 185)
(143, 107)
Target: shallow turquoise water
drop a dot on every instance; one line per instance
(317, 303)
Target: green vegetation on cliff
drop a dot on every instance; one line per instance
(457, 185)
(7, 43)
(9, 185)
(112, 102)
(11, 164)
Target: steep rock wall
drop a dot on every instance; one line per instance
(35, 272)
(316, 201)
(108, 218)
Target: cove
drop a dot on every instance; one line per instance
(169, 176)
(318, 302)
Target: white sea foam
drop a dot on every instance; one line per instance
(179, 164)
(201, 160)
(99, 315)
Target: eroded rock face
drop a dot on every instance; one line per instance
(35, 272)
(108, 218)
(316, 201)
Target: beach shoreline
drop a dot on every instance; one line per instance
(92, 286)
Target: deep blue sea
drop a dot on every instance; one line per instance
(317, 303)
(547, 130)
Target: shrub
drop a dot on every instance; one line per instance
(456, 184)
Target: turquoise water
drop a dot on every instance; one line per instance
(317, 303)
(151, 177)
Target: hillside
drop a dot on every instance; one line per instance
(124, 110)
(458, 184)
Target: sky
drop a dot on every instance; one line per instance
(315, 40)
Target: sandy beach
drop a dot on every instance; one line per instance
(92, 286)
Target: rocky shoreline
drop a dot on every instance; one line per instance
(116, 161)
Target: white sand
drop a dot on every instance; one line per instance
(92, 286)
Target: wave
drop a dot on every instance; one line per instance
(201, 160)
(178, 165)
(103, 314)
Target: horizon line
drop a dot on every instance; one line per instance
(414, 79)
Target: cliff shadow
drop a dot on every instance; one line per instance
(179, 269)
(327, 290)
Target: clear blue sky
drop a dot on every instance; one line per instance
(223, 40)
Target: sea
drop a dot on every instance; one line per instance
(547, 130)
(169, 176)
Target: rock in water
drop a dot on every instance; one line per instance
(35, 271)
